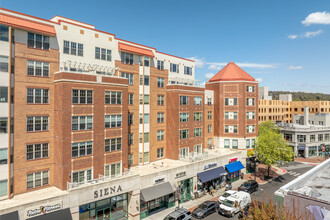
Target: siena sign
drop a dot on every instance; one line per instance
(107, 191)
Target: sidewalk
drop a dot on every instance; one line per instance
(262, 172)
(192, 204)
(310, 160)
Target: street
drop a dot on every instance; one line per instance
(267, 190)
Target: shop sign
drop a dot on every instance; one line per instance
(210, 165)
(159, 179)
(107, 191)
(43, 209)
(233, 160)
(181, 174)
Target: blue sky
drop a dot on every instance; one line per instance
(285, 44)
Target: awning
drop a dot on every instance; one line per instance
(135, 50)
(302, 147)
(10, 216)
(232, 167)
(63, 214)
(156, 191)
(211, 174)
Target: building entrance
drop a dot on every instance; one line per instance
(103, 214)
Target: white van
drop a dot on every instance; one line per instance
(224, 196)
(234, 203)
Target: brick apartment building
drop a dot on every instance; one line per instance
(88, 118)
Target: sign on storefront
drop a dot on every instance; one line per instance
(180, 174)
(43, 209)
(210, 165)
(159, 179)
(233, 160)
(107, 191)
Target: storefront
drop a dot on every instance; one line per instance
(213, 177)
(156, 198)
(185, 190)
(234, 171)
(301, 150)
(250, 164)
(111, 208)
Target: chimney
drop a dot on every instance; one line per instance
(306, 115)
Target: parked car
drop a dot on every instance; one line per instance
(179, 214)
(234, 203)
(225, 195)
(205, 209)
(249, 186)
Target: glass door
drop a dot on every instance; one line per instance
(103, 214)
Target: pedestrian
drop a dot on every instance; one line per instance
(211, 190)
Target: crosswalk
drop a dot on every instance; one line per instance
(292, 173)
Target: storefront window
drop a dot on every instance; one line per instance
(227, 143)
(312, 151)
(247, 143)
(235, 144)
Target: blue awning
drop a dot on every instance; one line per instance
(232, 167)
(301, 147)
(211, 174)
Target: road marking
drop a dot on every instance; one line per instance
(298, 174)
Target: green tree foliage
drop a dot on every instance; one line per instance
(301, 96)
(271, 147)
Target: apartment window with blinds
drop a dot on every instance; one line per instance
(38, 41)
(184, 117)
(113, 170)
(197, 132)
(145, 98)
(174, 68)
(230, 128)
(160, 153)
(129, 76)
(82, 123)
(160, 82)
(184, 134)
(37, 179)
(37, 96)
(250, 129)
(112, 144)
(102, 54)
(113, 98)
(82, 176)
(144, 137)
(81, 149)
(145, 119)
(160, 99)
(127, 58)
(197, 116)
(250, 88)
(36, 151)
(160, 65)
(230, 101)
(130, 119)
(113, 121)
(187, 70)
(231, 115)
(250, 101)
(184, 100)
(80, 96)
(4, 64)
(37, 123)
(71, 48)
(160, 135)
(250, 115)
(37, 68)
(197, 100)
(160, 117)
(130, 98)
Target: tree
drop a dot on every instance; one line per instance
(271, 147)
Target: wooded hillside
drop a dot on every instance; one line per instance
(301, 96)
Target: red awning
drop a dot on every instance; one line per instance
(135, 50)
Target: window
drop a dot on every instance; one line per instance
(145, 119)
(209, 128)
(38, 41)
(312, 138)
(250, 115)
(3, 156)
(82, 96)
(209, 101)
(160, 135)
(197, 149)
(130, 139)
(130, 159)
(113, 98)
(160, 82)
(112, 144)
(250, 88)
(253, 141)
(4, 63)
(146, 61)
(146, 99)
(250, 101)
(36, 68)
(235, 144)
(227, 143)
(160, 153)
(144, 156)
(144, 137)
(250, 129)
(4, 34)
(320, 137)
(113, 170)
(126, 58)
(3, 94)
(209, 115)
(320, 122)
(197, 100)
(160, 117)
(129, 76)
(184, 134)
(197, 116)
(36, 151)
(230, 128)
(82, 176)
(146, 80)
(230, 101)
(288, 137)
(130, 98)
(67, 49)
(301, 138)
(187, 70)
(3, 125)
(160, 99)
(160, 65)
(82, 123)
(230, 115)
(37, 179)
(184, 100)
(326, 137)
(174, 68)
(102, 54)
(3, 183)
(184, 117)
(37, 96)
(184, 153)
(209, 142)
(112, 121)
(37, 123)
(197, 132)
(130, 119)
(247, 143)
(81, 149)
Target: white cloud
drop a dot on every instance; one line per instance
(291, 67)
(308, 34)
(259, 80)
(317, 18)
(217, 66)
(209, 75)
(292, 37)
(199, 63)
(214, 67)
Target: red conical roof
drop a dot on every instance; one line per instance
(231, 72)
